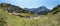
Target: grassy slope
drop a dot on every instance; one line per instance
(11, 20)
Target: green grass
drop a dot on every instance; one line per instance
(11, 20)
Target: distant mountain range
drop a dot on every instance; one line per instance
(40, 10)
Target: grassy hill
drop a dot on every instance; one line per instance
(7, 19)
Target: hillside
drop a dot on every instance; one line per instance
(11, 20)
(15, 10)
(7, 19)
(56, 9)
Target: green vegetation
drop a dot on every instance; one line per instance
(11, 20)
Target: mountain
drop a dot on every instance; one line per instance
(40, 10)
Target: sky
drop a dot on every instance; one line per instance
(33, 3)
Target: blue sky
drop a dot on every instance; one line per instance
(1, 1)
(33, 3)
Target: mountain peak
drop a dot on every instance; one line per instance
(42, 7)
(39, 10)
